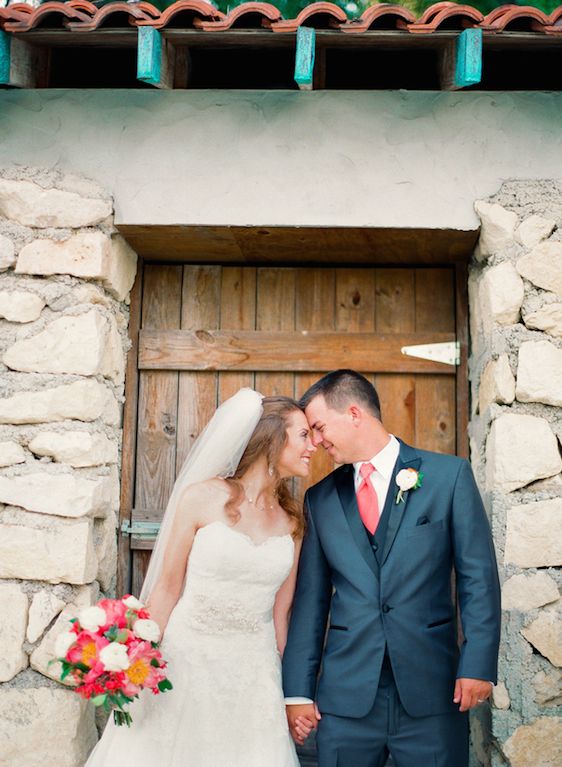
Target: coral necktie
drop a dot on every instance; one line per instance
(367, 500)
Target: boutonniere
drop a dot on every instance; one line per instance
(407, 479)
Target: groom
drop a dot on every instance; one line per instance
(385, 532)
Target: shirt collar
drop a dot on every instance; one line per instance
(384, 460)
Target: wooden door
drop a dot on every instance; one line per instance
(205, 331)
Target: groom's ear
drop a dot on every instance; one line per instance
(356, 414)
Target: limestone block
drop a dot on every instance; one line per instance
(534, 229)
(7, 253)
(92, 255)
(106, 550)
(86, 596)
(500, 696)
(497, 383)
(13, 609)
(539, 373)
(44, 607)
(520, 449)
(121, 268)
(502, 294)
(31, 205)
(82, 255)
(61, 551)
(498, 227)
(548, 687)
(538, 744)
(534, 534)
(545, 633)
(10, 453)
(87, 344)
(44, 727)
(543, 266)
(81, 400)
(20, 305)
(45, 652)
(64, 495)
(527, 592)
(548, 318)
(77, 448)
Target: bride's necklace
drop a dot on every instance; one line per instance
(253, 502)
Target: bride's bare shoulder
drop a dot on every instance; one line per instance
(215, 490)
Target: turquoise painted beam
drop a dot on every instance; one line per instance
(304, 58)
(468, 69)
(155, 58)
(5, 57)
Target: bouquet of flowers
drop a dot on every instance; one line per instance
(111, 654)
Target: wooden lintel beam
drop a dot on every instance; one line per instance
(285, 351)
(304, 58)
(22, 65)
(461, 63)
(155, 58)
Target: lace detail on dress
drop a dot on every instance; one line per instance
(211, 616)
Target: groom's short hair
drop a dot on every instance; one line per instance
(340, 387)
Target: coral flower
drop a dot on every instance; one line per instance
(116, 612)
(86, 649)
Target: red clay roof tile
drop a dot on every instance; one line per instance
(379, 16)
(318, 15)
(243, 16)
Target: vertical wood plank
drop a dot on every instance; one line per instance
(200, 310)
(435, 413)
(275, 311)
(315, 310)
(435, 406)
(158, 399)
(237, 312)
(395, 313)
(435, 300)
(394, 303)
(128, 452)
(355, 300)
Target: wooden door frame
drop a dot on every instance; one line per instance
(128, 455)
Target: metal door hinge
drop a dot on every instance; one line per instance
(145, 530)
(449, 353)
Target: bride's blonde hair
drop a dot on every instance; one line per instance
(268, 440)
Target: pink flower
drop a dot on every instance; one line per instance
(86, 649)
(116, 612)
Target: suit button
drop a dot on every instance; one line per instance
(375, 547)
(386, 608)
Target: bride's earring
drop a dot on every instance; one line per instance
(270, 470)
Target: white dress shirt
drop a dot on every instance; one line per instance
(383, 462)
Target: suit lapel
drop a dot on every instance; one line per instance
(407, 458)
(345, 487)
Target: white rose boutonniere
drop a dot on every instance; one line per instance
(407, 479)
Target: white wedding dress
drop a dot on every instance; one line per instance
(226, 708)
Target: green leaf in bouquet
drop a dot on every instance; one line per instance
(66, 669)
(122, 637)
(155, 662)
(112, 633)
(164, 685)
(99, 700)
(82, 667)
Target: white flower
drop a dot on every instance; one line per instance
(91, 618)
(147, 629)
(114, 657)
(133, 603)
(63, 643)
(406, 479)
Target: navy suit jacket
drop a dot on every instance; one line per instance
(395, 594)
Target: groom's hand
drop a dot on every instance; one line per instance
(471, 692)
(302, 718)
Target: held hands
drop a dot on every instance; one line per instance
(302, 718)
(471, 692)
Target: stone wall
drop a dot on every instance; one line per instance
(515, 292)
(64, 283)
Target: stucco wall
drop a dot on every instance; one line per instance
(381, 159)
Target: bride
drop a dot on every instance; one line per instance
(220, 585)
